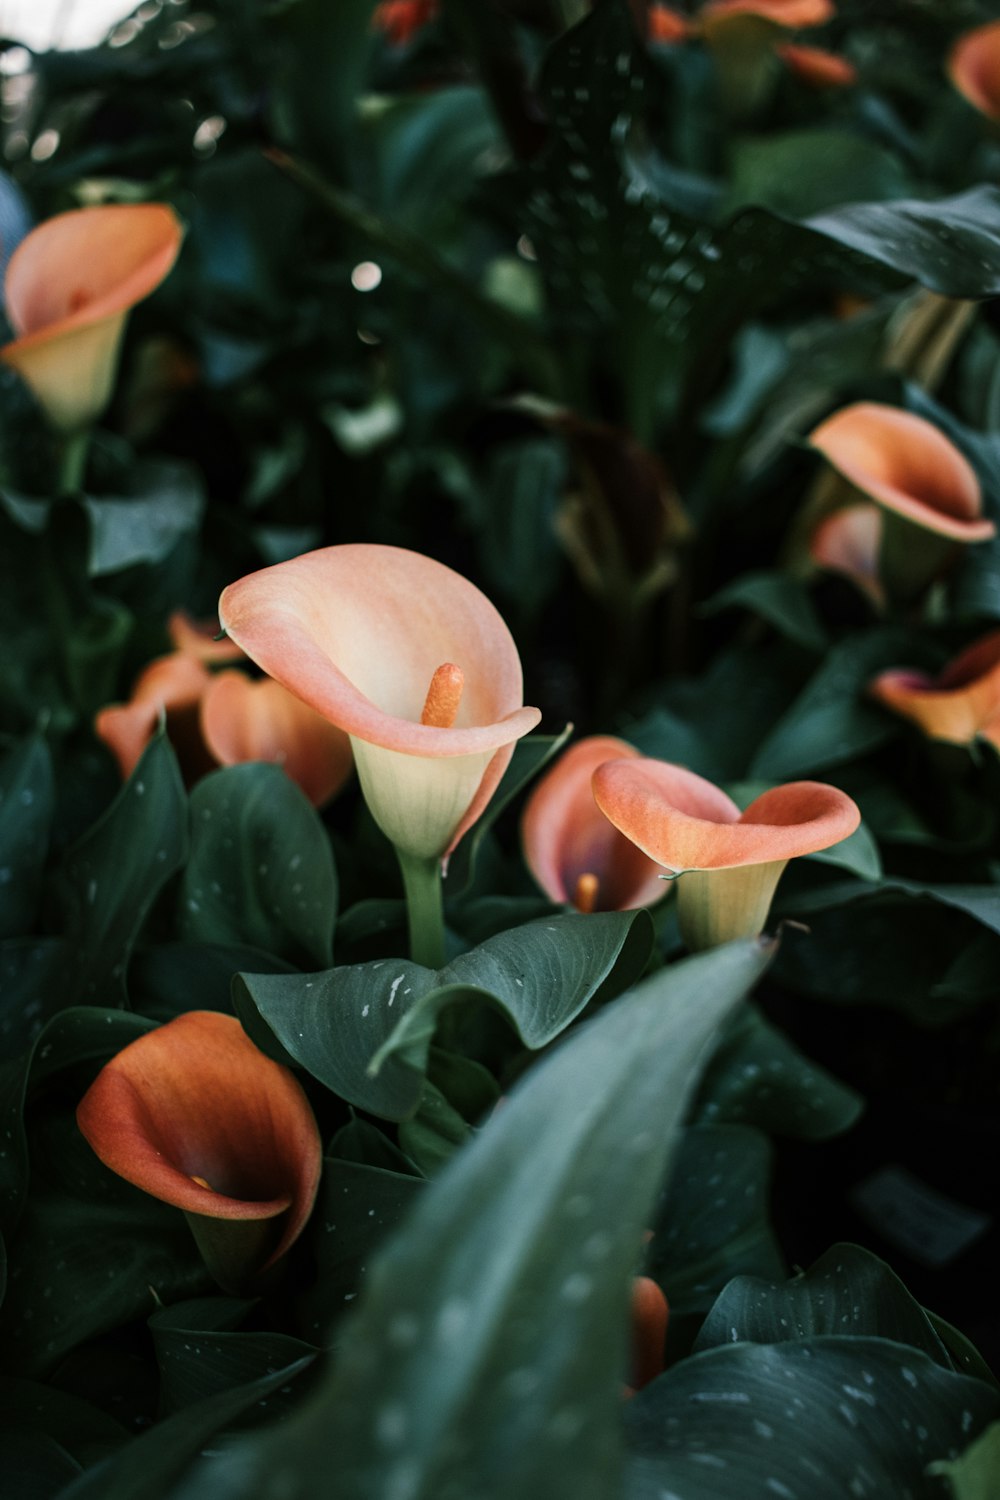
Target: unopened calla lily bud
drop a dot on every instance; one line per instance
(974, 68)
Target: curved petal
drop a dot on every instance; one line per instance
(974, 68)
(69, 286)
(962, 702)
(172, 685)
(650, 1317)
(243, 719)
(195, 1099)
(565, 835)
(686, 823)
(198, 639)
(905, 464)
(849, 541)
(358, 632)
(817, 67)
(791, 13)
(667, 26)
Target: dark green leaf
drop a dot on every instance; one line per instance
(167, 503)
(781, 600)
(825, 1418)
(364, 1030)
(115, 872)
(803, 172)
(489, 1347)
(26, 800)
(81, 1429)
(198, 1359)
(261, 871)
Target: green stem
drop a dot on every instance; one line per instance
(425, 914)
(73, 462)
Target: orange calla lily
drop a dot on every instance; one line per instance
(224, 718)
(959, 705)
(667, 26)
(927, 490)
(243, 719)
(790, 13)
(848, 541)
(196, 1116)
(572, 850)
(650, 1317)
(410, 660)
(69, 287)
(402, 19)
(974, 68)
(817, 67)
(729, 862)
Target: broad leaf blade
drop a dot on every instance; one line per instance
(488, 1352)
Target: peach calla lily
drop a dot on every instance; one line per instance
(974, 68)
(927, 490)
(410, 660)
(960, 704)
(69, 287)
(667, 26)
(650, 1317)
(729, 862)
(196, 1116)
(572, 850)
(847, 541)
(790, 13)
(817, 67)
(223, 718)
(401, 20)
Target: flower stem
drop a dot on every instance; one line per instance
(422, 884)
(73, 462)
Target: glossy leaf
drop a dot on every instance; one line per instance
(261, 869)
(364, 1030)
(509, 1383)
(26, 805)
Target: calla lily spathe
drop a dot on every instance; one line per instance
(928, 496)
(974, 68)
(572, 850)
(196, 1116)
(847, 541)
(410, 660)
(729, 862)
(960, 705)
(817, 67)
(223, 718)
(69, 287)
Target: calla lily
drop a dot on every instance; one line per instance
(848, 541)
(196, 1116)
(410, 660)
(224, 718)
(790, 13)
(667, 26)
(572, 850)
(729, 861)
(402, 19)
(974, 68)
(928, 492)
(959, 705)
(817, 67)
(69, 287)
(650, 1317)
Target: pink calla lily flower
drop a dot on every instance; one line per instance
(960, 705)
(848, 541)
(817, 67)
(790, 13)
(572, 850)
(974, 68)
(196, 1116)
(223, 718)
(729, 862)
(926, 490)
(410, 660)
(69, 287)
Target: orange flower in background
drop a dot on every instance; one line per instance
(410, 660)
(729, 862)
(667, 26)
(927, 490)
(650, 1317)
(572, 850)
(223, 718)
(196, 1116)
(790, 13)
(69, 287)
(974, 68)
(402, 19)
(817, 67)
(848, 541)
(960, 705)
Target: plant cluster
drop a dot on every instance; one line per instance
(499, 732)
